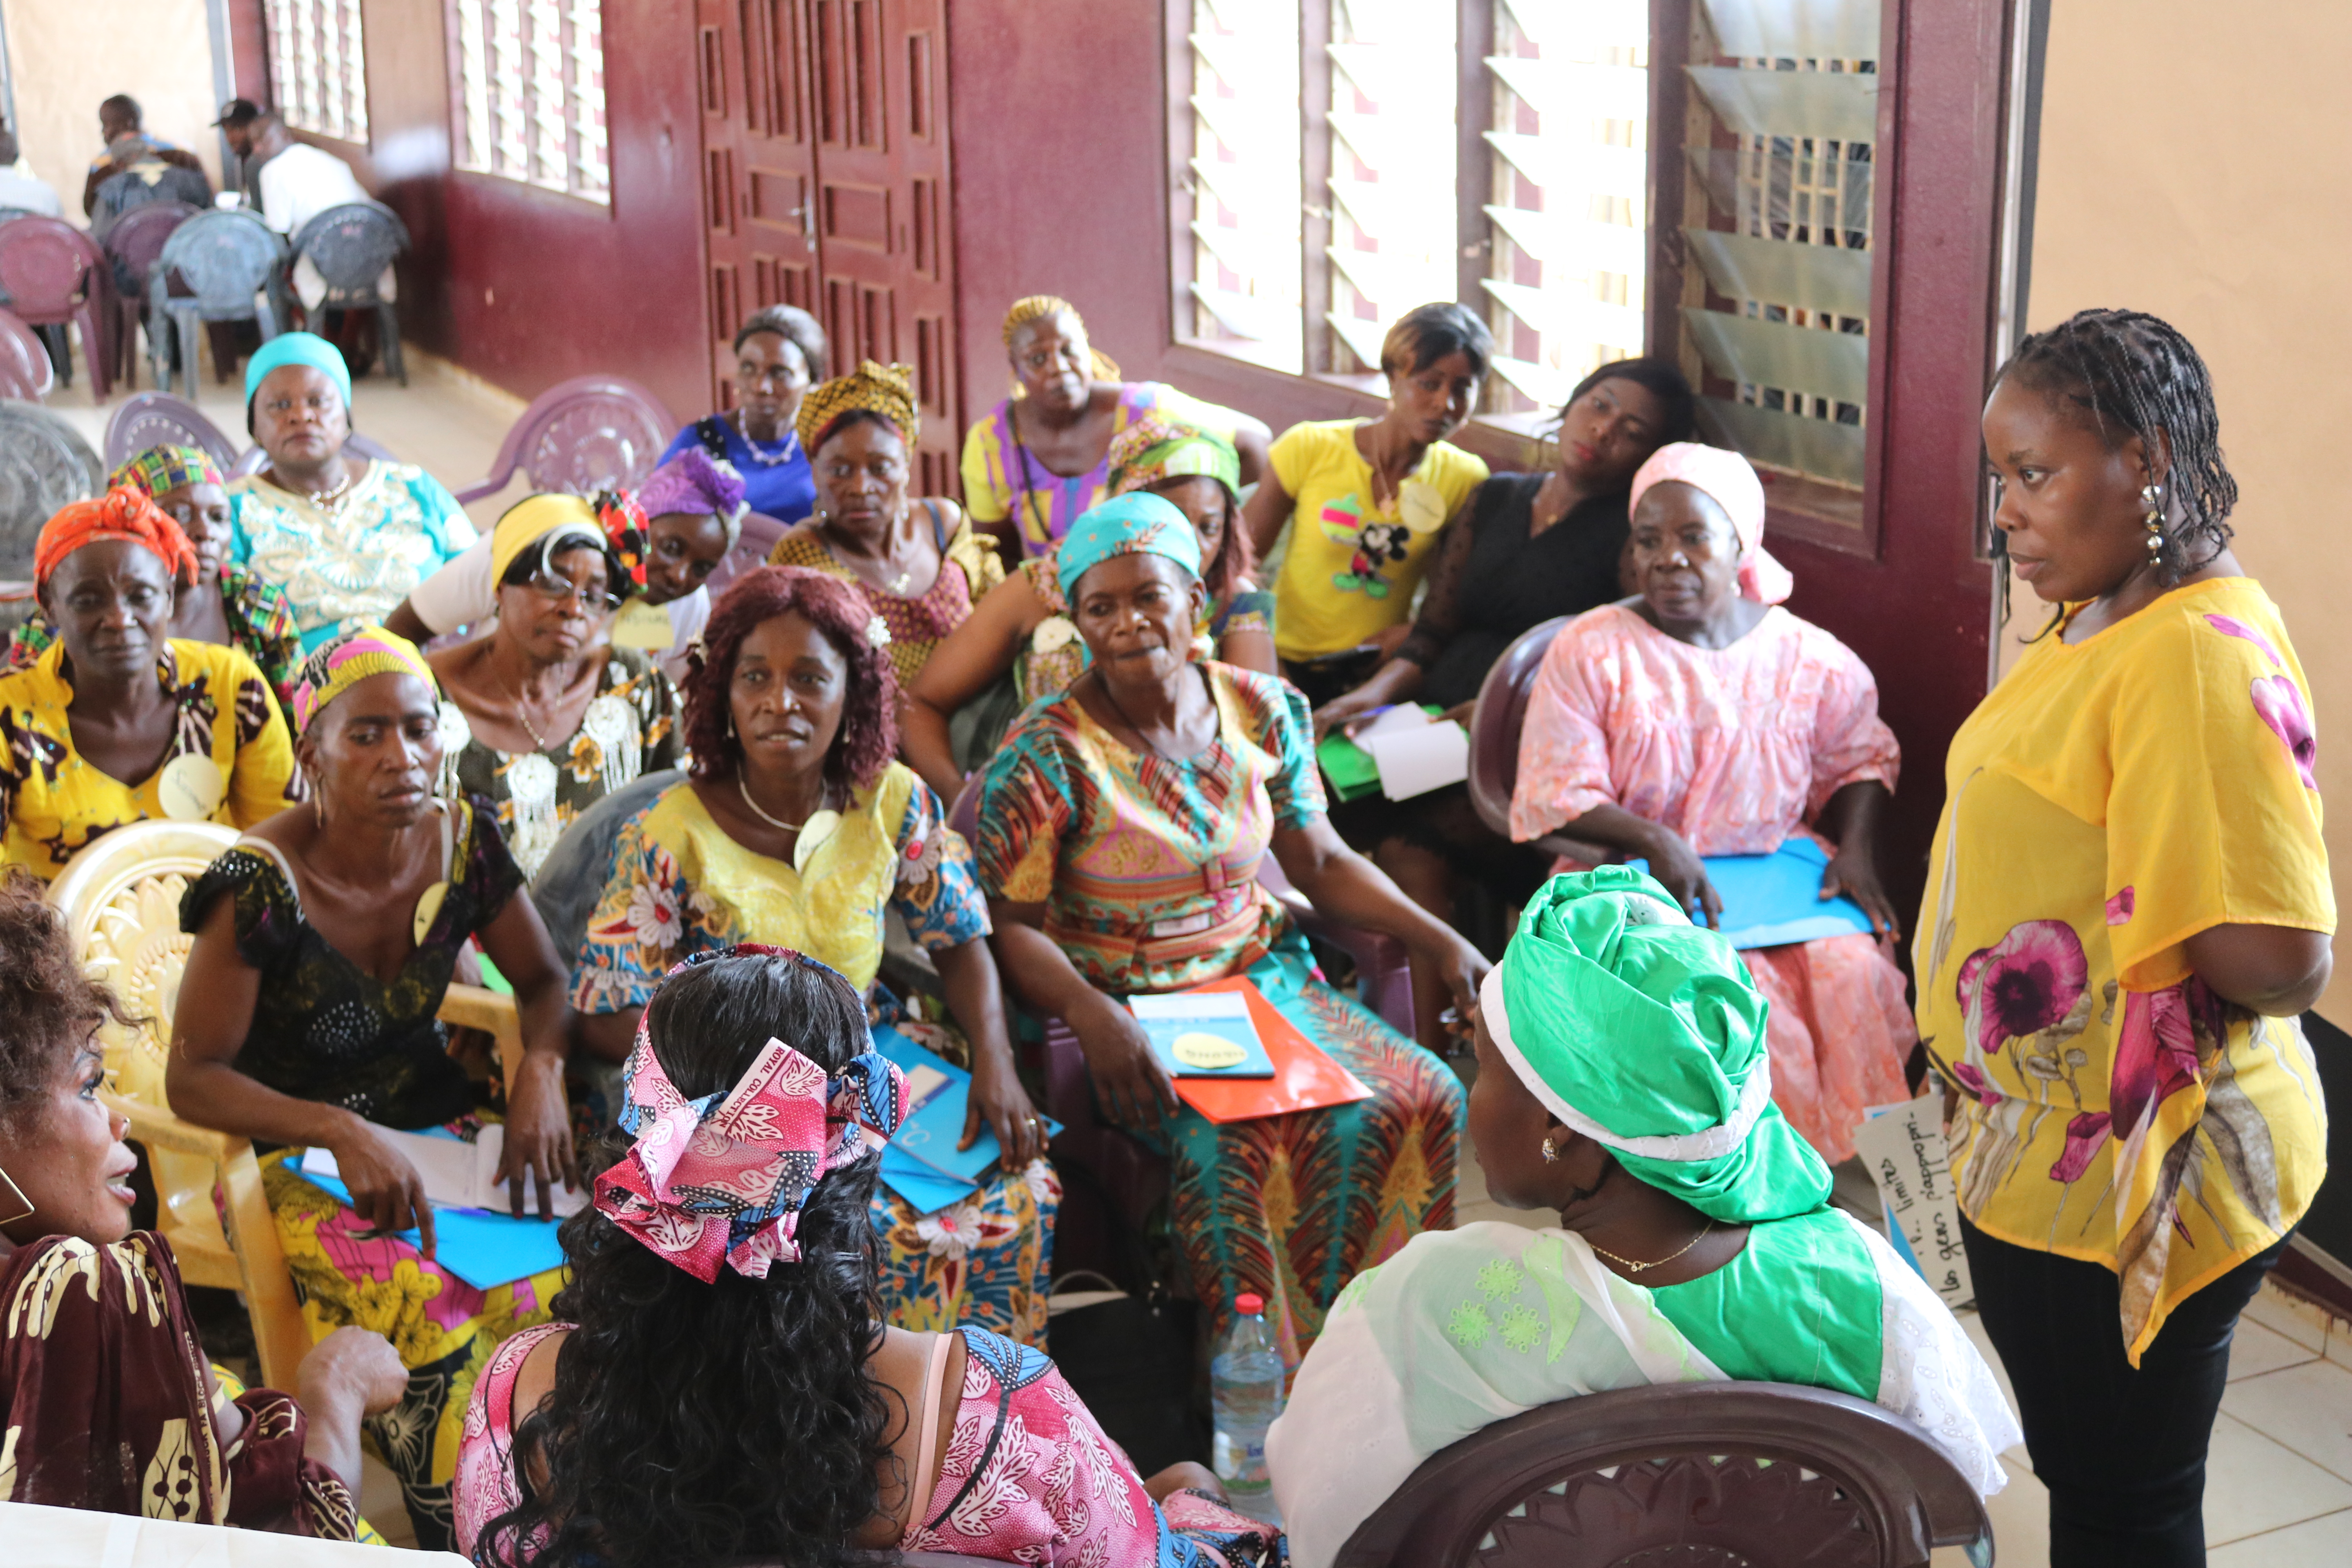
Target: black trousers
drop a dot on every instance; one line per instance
(2123, 1452)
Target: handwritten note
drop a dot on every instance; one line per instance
(1904, 1146)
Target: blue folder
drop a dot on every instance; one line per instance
(922, 1163)
(482, 1247)
(1771, 900)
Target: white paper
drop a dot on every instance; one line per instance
(1420, 759)
(1191, 1005)
(44, 1537)
(1390, 720)
(461, 1175)
(1904, 1147)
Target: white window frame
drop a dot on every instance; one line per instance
(317, 66)
(527, 94)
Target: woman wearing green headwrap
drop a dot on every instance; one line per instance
(1622, 1080)
(346, 537)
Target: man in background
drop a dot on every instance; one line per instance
(292, 182)
(20, 187)
(127, 143)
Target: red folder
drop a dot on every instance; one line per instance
(1305, 1077)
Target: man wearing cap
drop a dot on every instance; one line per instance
(1624, 1080)
(291, 182)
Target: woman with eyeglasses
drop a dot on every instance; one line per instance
(229, 605)
(540, 719)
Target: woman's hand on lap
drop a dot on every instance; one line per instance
(538, 1135)
(385, 1188)
(1133, 1090)
(1000, 1104)
(1853, 871)
(1677, 869)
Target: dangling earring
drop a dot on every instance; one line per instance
(2153, 499)
(1550, 1152)
(23, 1203)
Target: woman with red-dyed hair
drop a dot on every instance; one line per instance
(796, 828)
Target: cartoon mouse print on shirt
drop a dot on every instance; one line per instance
(1379, 543)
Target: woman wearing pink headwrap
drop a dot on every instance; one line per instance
(1698, 718)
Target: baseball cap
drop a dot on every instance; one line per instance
(238, 111)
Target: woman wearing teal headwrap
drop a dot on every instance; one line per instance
(1622, 1080)
(344, 536)
(1123, 826)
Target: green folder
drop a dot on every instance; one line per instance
(1348, 768)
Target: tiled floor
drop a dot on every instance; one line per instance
(2278, 1490)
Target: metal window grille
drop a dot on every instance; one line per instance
(1243, 178)
(527, 93)
(318, 60)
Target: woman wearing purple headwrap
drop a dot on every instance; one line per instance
(669, 536)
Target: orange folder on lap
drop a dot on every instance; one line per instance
(1305, 1078)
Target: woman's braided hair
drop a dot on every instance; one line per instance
(2135, 374)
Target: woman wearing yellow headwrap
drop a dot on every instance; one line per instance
(542, 720)
(919, 563)
(1624, 1081)
(325, 940)
(1042, 456)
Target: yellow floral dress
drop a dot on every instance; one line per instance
(2109, 800)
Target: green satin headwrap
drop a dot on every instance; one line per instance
(1643, 1032)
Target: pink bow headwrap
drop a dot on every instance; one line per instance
(724, 1178)
(1728, 478)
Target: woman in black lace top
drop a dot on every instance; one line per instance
(1523, 549)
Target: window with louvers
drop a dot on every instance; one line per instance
(1240, 291)
(527, 93)
(317, 66)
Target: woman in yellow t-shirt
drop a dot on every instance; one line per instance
(1369, 495)
(2127, 908)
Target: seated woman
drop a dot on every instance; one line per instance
(1369, 497)
(104, 1399)
(796, 829)
(118, 720)
(1042, 456)
(1121, 827)
(780, 354)
(919, 563)
(1622, 1080)
(1702, 718)
(541, 719)
(229, 604)
(324, 943)
(719, 1387)
(665, 540)
(1525, 548)
(1024, 625)
(347, 537)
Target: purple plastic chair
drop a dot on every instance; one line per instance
(159, 419)
(26, 374)
(52, 273)
(758, 537)
(1704, 1475)
(588, 433)
(1494, 726)
(132, 244)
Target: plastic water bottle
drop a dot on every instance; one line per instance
(1245, 1395)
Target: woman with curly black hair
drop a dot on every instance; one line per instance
(797, 827)
(720, 1383)
(2128, 906)
(101, 1389)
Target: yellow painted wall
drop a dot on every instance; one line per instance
(66, 58)
(2195, 163)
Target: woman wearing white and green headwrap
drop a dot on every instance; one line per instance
(1624, 1080)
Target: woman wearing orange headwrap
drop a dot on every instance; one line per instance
(117, 721)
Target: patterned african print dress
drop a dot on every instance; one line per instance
(969, 568)
(260, 626)
(1003, 478)
(354, 559)
(325, 1029)
(680, 886)
(230, 758)
(1055, 655)
(629, 729)
(1147, 869)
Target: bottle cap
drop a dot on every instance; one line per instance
(1249, 1303)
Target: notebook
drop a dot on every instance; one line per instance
(1303, 1077)
(1203, 1036)
(1771, 900)
(922, 1163)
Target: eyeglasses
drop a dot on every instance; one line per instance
(555, 590)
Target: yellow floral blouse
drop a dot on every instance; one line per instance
(2107, 802)
(231, 758)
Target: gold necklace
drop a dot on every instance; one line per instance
(744, 789)
(522, 712)
(1633, 1267)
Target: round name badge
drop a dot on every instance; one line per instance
(1207, 1053)
(1054, 634)
(192, 788)
(428, 910)
(814, 833)
(1423, 509)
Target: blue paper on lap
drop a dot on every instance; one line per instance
(484, 1248)
(1772, 900)
(922, 1163)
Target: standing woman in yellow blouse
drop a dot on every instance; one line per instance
(2127, 908)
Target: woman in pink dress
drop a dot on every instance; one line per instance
(720, 1383)
(1699, 718)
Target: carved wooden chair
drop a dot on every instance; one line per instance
(1717, 1475)
(121, 899)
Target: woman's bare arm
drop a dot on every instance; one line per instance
(2277, 971)
(1128, 1082)
(1344, 886)
(1267, 510)
(539, 1125)
(960, 669)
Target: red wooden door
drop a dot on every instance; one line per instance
(882, 205)
(759, 168)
